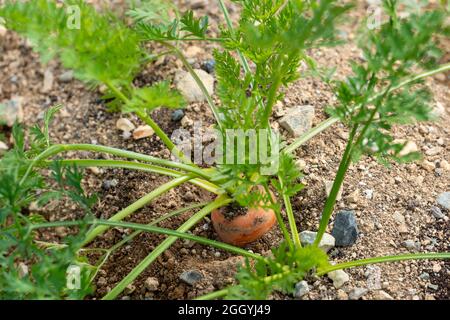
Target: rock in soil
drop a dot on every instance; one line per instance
(177, 115)
(382, 295)
(11, 111)
(66, 76)
(142, 132)
(357, 293)
(308, 237)
(444, 200)
(48, 81)
(328, 186)
(301, 288)
(298, 120)
(125, 125)
(186, 84)
(152, 284)
(209, 66)
(191, 277)
(437, 213)
(339, 277)
(345, 229)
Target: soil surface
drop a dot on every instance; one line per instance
(392, 204)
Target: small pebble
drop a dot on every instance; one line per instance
(125, 125)
(345, 228)
(444, 200)
(177, 115)
(437, 213)
(301, 289)
(142, 132)
(339, 278)
(152, 284)
(357, 293)
(191, 277)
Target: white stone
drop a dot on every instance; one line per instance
(339, 277)
(125, 125)
(326, 243)
(3, 147)
(186, 84)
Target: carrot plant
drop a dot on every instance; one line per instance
(258, 59)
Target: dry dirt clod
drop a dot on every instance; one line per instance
(142, 132)
(152, 284)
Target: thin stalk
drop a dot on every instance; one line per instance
(196, 78)
(337, 184)
(280, 221)
(226, 15)
(138, 166)
(153, 229)
(332, 120)
(219, 202)
(136, 206)
(149, 121)
(291, 218)
(402, 257)
(213, 295)
(154, 223)
(183, 235)
(54, 150)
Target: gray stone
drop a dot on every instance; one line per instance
(108, 184)
(298, 120)
(345, 228)
(437, 213)
(209, 65)
(191, 277)
(177, 115)
(186, 84)
(308, 237)
(444, 200)
(301, 288)
(411, 245)
(434, 287)
(66, 76)
(425, 276)
(339, 277)
(357, 293)
(11, 111)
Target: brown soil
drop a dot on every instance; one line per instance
(409, 190)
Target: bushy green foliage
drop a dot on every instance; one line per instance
(19, 188)
(368, 102)
(278, 272)
(100, 49)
